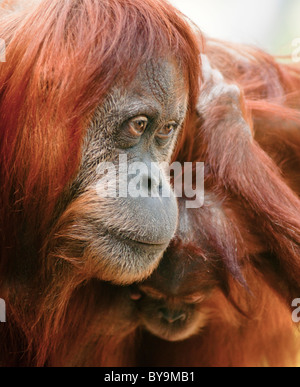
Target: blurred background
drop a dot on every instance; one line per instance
(272, 25)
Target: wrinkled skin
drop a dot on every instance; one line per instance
(122, 240)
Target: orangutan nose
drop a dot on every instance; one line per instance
(171, 316)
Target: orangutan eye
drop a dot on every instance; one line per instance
(152, 293)
(167, 131)
(137, 126)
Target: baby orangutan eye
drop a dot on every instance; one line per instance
(137, 126)
(194, 299)
(152, 293)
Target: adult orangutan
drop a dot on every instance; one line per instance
(72, 95)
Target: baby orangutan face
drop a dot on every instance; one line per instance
(170, 317)
(172, 303)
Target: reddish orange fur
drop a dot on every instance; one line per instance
(62, 59)
(47, 328)
(265, 337)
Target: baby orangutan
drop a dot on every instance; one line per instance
(173, 302)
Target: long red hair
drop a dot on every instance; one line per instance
(63, 57)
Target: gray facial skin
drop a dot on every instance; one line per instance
(122, 240)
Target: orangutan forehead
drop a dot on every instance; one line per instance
(158, 88)
(163, 77)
